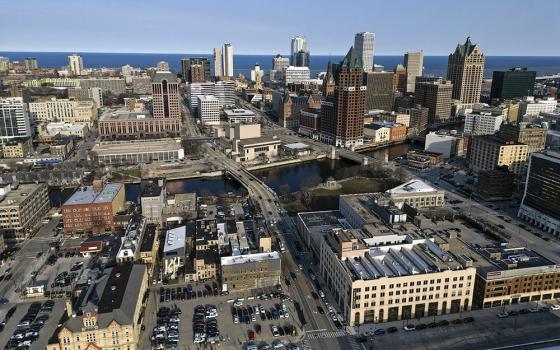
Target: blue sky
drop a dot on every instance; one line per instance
(501, 27)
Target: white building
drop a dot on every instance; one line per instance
(294, 74)
(208, 110)
(532, 107)
(174, 251)
(14, 122)
(482, 123)
(417, 194)
(76, 64)
(299, 43)
(447, 145)
(363, 44)
(227, 60)
(257, 74)
(250, 149)
(223, 90)
(377, 132)
(239, 115)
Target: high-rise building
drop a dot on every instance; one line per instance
(217, 62)
(31, 63)
(14, 122)
(166, 99)
(532, 135)
(4, 64)
(380, 93)
(418, 119)
(195, 69)
(302, 58)
(208, 110)
(76, 64)
(399, 78)
(465, 69)
(436, 96)
(162, 66)
(513, 83)
(363, 44)
(328, 81)
(227, 60)
(342, 113)
(296, 74)
(530, 107)
(414, 65)
(488, 152)
(257, 75)
(482, 122)
(279, 63)
(299, 43)
(541, 198)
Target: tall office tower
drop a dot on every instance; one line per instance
(227, 60)
(257, 75)
(31, 63)
(363, 44)
(299, 43)
(342, 113)
(414, 65)
(399, 78)
(465, 69)
(76, 64)
(380, 93)
(436, 96)
(166, 100)
(217, 62)
(302, 58)
(4, 64)
(328, 81)
(279, 63)
(14, 122)
(418, 119)
(513, 83)
(533, 135)
(162, 66)
(541, 199)
(195, 69)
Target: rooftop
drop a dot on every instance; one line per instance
(412, 186)
(239, 112)
(258, 141)
(297, 146)
(136, 146)
(86, 195)
(175, 239)
(164, 75)
(148, 238)
(321, 218)
(243, 259)
(204, 98)
(124, 114)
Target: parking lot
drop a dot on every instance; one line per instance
(44, 333)
(61, 275)
(256, 328)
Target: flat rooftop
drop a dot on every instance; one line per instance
(258, 141)
(148, 238)
(243, 259)
(237, 112)
(412, 186)
(175, 239)
(297, 146)
(204, 98)
(136, 146)
(86, 195)
(321, 218)
(17, 195)
(125, 114)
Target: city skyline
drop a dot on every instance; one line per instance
(495, 37)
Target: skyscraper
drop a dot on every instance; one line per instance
(363, 44)
(279, 63)
(399, 78)
(166, 100)
(76, 64)
(302, 58)
(436, 96)
(541, 199)
(31, 63)
(195, 69)
(299, 43)
(342, 113)
(217, 62)
(465, 69)
(14, 122)
(513, 83)
(414, 65)
(227, 60)
(380, 93)
(328, 81)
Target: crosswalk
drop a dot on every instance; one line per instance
(354, 344)
(326, 334)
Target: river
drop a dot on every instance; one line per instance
(293, 175)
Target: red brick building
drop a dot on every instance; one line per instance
(92, 209)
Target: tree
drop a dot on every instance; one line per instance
(284, 189)
(401, 174)
(311, 181)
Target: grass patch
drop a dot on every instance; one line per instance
(358, 185)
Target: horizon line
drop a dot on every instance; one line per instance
(247, 54)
